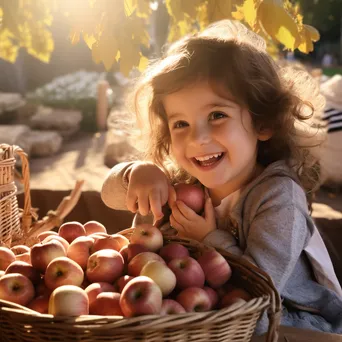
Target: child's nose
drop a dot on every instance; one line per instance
(200, 136)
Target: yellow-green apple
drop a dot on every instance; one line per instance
(96, 288)
(147, 235)
(122, 240)
(191, 195)
(26, 257)
(214, 298)
(141, 296)
(106, 265)
(39, 304)
(161, 275)
(140, 260)
(121, 282)
(43, 253)
(44, 235)
(106, 304)
(71, 230)
(215, 267)
(68, 300)
(234, 296)
(80, 250)
(6, 258)
(188, 272)
(92, 227)
(25, 269)
(63, 271)
(194, 299)
(106, 242)
(170, 307)
(16, 288)
(172, 251)
(64, 242)
(20, 249)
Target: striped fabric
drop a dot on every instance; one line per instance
(333, 119)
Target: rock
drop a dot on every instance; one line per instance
(15, 135)
(10, 102)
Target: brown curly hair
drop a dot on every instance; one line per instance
(228, 54)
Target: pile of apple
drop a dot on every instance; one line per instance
(84, 270)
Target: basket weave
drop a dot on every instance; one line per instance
(235, 323)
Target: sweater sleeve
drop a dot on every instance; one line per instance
(279, 230)
(114, 188)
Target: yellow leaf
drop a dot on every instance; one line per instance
(129, 56)
(108, 46)
(89, 39)
(95, 53)
(8, 50)
(143, 8)
(249, 9)
(219, 9)
(238, 14)
(174, 7)
(74, 36)
(130, 6)
(190, 7)
(314, 34)
(143, 63)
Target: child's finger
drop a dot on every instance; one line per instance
(172, 196)
(155, 204)
(175, 224)
(143, 205)
(131, 202)
(176, 213)
(209, 211)
(187, 212)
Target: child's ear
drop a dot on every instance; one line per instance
(265, 134)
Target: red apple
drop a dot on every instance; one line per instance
(92, 227)
(26, 257)
(191, 195)
(170, 307)
(194, 299)
(148, 236)
(43, 253)
(64, 242)
(44, 235)
(106, 242)
(80, 250)
(173, 251)
(161, 275)
(122, 240)
(216, 268)
(124, 252)
(214, 298)
(234, 296)
(68, 300)
(6, 258)
(42, 290)
(16, 288)
(188, 272)
(71, 230)
(98, 235)
(25, 269)
(105, 265)
(134, 249)
(121, 282)
(63, 271)
(107, 304)
(96, 288)
(39, 304)
(139, 261)
(20, 249)
(141, 296)
(85, 283)
(2, 273)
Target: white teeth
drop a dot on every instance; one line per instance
(209, 156)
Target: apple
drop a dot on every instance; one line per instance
(26, 257)
(92, 227)
(214, 298)
(80, 250)
(42, 290)
(20, 249)
(64, 242)
(191, 195)
(71, 230)
(172, 251)
(63, 271)
(141, 296)
(147, 235)
(188, 272)
(124, 252)
(121, 282)
(134, 249)
(140, 260)
(39, 304)
(85, 283)
(194, 299)
(44, 235)
(122, 240)
(68, 300)
(25, 269)
(16, 288)
(234, 296)
(105, 265)
(216, 268)
(6, 258)
(106, 303)
(161, 275)
(96, 288)
(2, 273)
(43, 253)
(106, 242)
(98, 235)
(170, 307)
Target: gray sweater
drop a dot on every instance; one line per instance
(273, 226)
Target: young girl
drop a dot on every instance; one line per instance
(219, 112)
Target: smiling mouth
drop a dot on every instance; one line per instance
(208, 160)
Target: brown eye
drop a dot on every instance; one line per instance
(180, 124)
(217, 115)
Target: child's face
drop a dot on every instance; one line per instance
(212, 138)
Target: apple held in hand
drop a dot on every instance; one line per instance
(80, 250)
(107, 304)
(25, 269)
(216, 268)
(71, 230)
(141, 296)
(147, 235)
(68, 300)
(63, 271)
(105, 265)
(170, 307)
(92, 227)
(139, 261)
(16, 288)
(173, 251)
(191, 195)
(188, 272)
(6, 258)
(194, 299)
(96, 288)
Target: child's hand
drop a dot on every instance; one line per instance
(148, 190)
(191, 225)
